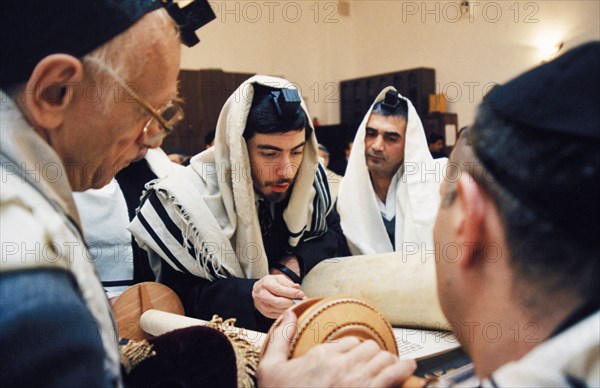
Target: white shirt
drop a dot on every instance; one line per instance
(388, 209)
(104, 219)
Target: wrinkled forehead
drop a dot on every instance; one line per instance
(157, 58)
(387, 124)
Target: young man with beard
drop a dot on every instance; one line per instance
(236, 231)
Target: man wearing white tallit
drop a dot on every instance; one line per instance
(389, 195)
(234, 233)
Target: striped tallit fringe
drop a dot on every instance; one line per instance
(193, 241)
(209, 263)
(246, 354)
(322, 205)
(134, 352)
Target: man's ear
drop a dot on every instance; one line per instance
(471, 202)
(50, 89)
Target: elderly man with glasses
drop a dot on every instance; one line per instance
(106, 212)
(66, 125)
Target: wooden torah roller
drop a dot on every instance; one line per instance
(323, 320)
(132, 303)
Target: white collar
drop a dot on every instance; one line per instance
(573, 353)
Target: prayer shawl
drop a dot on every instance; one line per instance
(570, 359)
(203, 219)
(159, 162)
(40, 217)
(417, 194)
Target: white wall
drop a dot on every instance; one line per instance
(313, 45)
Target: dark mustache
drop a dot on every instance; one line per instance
(280, 182)
(375, 154)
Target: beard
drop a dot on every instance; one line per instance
(274, 196)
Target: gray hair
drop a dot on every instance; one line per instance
(119, 57)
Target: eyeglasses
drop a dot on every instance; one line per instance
(166, 117)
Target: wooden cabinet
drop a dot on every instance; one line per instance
(444, 124)
(204, 93)
(358, 94)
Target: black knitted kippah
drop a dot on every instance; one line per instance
(561, 96)
(561, 100)
(34, 29)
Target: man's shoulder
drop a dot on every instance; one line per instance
(43, 316)
(31, 229)
(566, 359)
(42, 292)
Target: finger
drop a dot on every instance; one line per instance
(394, 374)
(280, 296)
(271, 312)
(283, 280)
(288, 282)
(364, 351)
(280, 338)
(344, 344)
(283, 287)
(276, 303)
(378, 362)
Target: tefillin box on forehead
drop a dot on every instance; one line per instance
(190, 18)
(287, 102)
(393, 103)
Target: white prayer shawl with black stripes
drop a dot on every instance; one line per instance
(204, 221)
(417, 194)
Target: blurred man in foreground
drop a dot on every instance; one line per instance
(520, 204)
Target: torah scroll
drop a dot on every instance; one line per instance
(402, 286)
(157, 322)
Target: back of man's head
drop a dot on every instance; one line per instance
(540, 164)
(275, 111)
